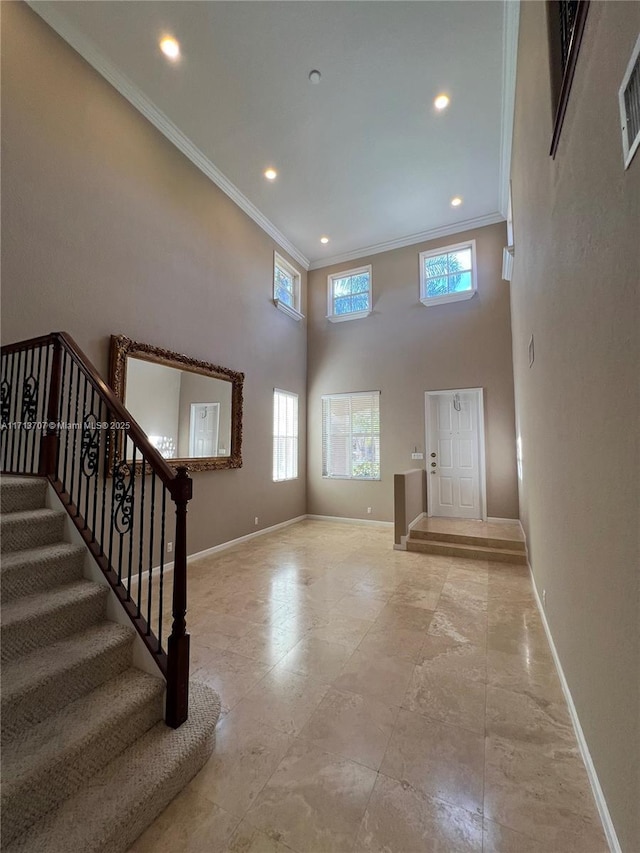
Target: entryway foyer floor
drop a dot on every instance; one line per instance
(375, 700)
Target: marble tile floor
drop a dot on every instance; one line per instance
(375, 700)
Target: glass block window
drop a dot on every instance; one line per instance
(350, 294)
(448, 274)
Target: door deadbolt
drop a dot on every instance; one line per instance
(433, 455)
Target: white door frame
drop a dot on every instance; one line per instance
(192, 426)
(479, 395)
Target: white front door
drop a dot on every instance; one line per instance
(455, 451)
(203, 432)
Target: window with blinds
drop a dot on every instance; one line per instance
(285, 435)
(351, 436)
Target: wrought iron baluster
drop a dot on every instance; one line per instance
(161, 568)
(131, 529)
(141, 542)
(152, 514)
(90, 456)
(5, 406)
(79, 428)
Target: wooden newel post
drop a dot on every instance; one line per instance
(50, 441)
(178, 643)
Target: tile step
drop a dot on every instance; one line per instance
(464, 539)
(472, 552)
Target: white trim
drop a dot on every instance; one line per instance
(403, 539)
(481, 443)
(437, 253)
(494, 520)
(628, 150)
(410, 240)
(88, 50)
(507, 263)
(510, 27)
(287, 309)
(598, 794)
(353, 315)
(342, 520)
(430, 301)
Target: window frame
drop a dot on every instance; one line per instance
(448, 297)
(295, 437)
(352, 315)
(289, 269)
(326, 439)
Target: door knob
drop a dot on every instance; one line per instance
(433, 464)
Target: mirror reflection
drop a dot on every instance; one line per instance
(191, 410)
(185, 414)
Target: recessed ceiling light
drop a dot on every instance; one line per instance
(441, 102)
(270, 174)
(456, 201)
(314, 76)
(324, 239)
(170, 47)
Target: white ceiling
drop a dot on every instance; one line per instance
(362, 157)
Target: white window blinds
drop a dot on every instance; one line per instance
(351, 436)
(285, 435)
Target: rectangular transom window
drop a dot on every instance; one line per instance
(285, 435)
(349, 294)
(351, 436)
(286, 287)
(448, 274)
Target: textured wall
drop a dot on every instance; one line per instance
(404, 349)
(576, 288)
(108, 229)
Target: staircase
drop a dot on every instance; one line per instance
(485, 543)
(87, 761)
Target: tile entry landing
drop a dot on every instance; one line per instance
(469, 538)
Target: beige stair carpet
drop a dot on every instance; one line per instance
(88, 762)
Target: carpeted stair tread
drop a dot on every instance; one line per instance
(36, 620)
(31, 527)
(53, 759)
(36, 569)
(39, 684)
(20, 493)
(124, 797)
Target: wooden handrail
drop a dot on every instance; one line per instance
(152, 456)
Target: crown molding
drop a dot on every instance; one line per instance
(89, 52)
(510, 29)
(410, 240)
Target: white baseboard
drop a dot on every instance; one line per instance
(598, 794)
(340, 520)
(403, 539)
(493, 520)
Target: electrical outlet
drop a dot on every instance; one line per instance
(169, 547)
(255, 520)
(368, 510)
(544, 598)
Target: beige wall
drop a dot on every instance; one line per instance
(404, 349)
(576, 288)
(409, 500)
(108, 229)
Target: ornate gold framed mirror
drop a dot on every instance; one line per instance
(191, 410)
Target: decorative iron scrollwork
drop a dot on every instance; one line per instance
(30, 399)
(5, 402)
(90, 446)
(123, 480)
